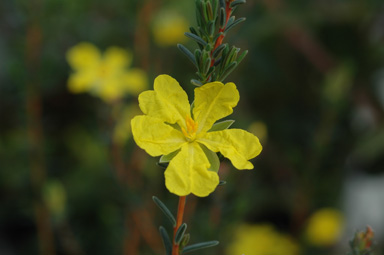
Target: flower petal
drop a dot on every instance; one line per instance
(235, 144)
(188, 173)
(83, 55)
(168, 101)
(116, 58)
(136, 81)
(154, 136)
(81, 81)
(214, 101)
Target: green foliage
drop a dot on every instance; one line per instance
(214, 61)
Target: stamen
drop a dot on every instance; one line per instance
(192, 126)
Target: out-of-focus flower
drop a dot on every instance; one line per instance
(325, 227)
(259, 129)
(261, 239)
(122, 130)
(104, 75)
(169, 28)
(188, 137)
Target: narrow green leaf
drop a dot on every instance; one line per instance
(221, 125)
(166, 240)
(199, 246)
(204, 11)
(209, 11)
(196, 82)
(218, 50)
(206, 66)
(210, 70)
(228, 70)
(231, 56)
(187, 53)
(217, 61)
(185, 241)
(199, 75)
(236, 22)
(180, 233)
(197, 55)
(196, 38)
(193, 30)
(222, 17)
(203, 32)
(211, 28)
(231, 20)
(168, 157)
(215, 8)
(242, 56)
(212, 158)
(237, 2)
(163, 165)
(165, 210)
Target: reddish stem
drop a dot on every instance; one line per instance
(179, 221)
(219, 40)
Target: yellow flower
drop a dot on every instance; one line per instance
(325, 227)
(261, 240)
(105, 76)
(188, 137)
(169, 28)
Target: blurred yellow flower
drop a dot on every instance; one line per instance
(188, 137)
(104, 75)
(261, 239)
(325, 227)
(169, 28)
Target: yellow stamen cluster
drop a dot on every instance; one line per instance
(190, 133)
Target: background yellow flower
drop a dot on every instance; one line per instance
(261, 239)
(325, 227)
(104, 75)
(169, 28)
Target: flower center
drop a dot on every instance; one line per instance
(190, 133)
(103, 71)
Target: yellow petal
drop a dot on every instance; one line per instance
(83, 55)
(214, 101)
(117, 58)
(81, 81)
(109, 90)
(188, 173)
(136, 81)
(235, 144)
(168, 101)
(154, 136)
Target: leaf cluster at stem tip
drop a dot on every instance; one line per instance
(213, 60)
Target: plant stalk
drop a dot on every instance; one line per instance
(179, 221)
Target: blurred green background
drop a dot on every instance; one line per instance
(312, 89)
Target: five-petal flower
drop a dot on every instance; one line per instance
(104, 75)
(170, 127)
